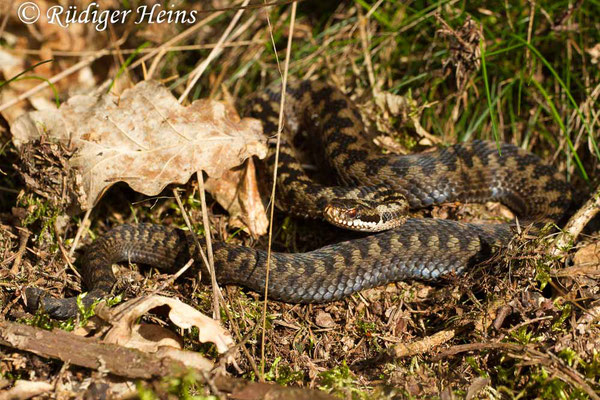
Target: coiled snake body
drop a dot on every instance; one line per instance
(375, 187)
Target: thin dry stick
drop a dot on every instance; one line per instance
(23, 238)
(81, 53)
(5, 19)
(423, 345)
(65, 254)
(80, 231)
(364, 41)
(196, 74)
(272, 200)
(373, 9)
(216, 290)
(530, 30)
(169, 43)
(576, 224)
(209, 250)
(154, 64)
(530, 354)
(199, 70)
(74, 68)
(217, 295)
(175, 276)
(188, 223)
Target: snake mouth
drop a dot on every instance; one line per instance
(349, 218)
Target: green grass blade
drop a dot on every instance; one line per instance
(379, 17)
(41, 78)
(474, 126)
(129, 60)
(14, 78)
(565, 88)
(559, 121)
(503, 50)
(488, 95)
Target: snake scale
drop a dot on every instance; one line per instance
(371, 185)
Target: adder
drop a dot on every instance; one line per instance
(375, 192)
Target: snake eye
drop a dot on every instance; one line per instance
(352, 212)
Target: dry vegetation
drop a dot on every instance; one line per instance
(524, 325)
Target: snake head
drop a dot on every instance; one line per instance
(360, 215)
(351, 214)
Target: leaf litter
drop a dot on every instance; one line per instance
(126, 330)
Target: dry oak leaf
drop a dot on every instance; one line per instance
(126, 331)
(144, 137)
(237, 191)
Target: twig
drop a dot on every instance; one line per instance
(242, 340)
(209, 263)
(154, 64)
(199, 70)
(501, 315)
(134, 364)
(23, 238)
(72, 69)
(553, 364)
(421, 346)
(559, 22)
(188, 223)
(80, 230)
(90, 352)
(188, 47)
(82, 227)
(188, 32)
(373, 9)
(64, 252)
(589, 317)
(576, 224)
(273, 191)
(174, 277)
(528, 322)
(209, 249)
(529, 31)
(364, 41)
(196, 74)
(5, 19)
(8, 190)
(249, 7)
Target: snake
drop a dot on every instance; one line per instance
(374, 192)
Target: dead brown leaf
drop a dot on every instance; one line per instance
(324, 320)
(237, 191)
(143, 137)
(125, 330)
(588, 256)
